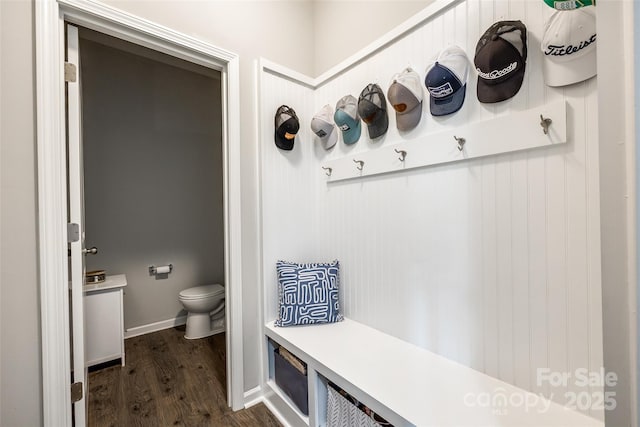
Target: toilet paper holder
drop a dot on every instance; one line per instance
(162, 269)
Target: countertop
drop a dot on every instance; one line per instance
(111, 282)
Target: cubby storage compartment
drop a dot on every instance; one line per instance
(291, 381)
(344, 410)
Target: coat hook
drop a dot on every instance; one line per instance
(402, 153)
(360, 164)
(460, 142)
(545, 122)
(327, 170)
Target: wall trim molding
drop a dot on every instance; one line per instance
(271, 405)
(50, 17)
(155, 327)
(52, 204)
(136, 331)
(381, 43)
(631, 14)
(252, 397)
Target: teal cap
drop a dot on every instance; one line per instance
(347, 119)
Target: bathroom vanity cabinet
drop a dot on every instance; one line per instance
(104, 320)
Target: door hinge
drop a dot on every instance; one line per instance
(69, 72)
(76, 392)
(73, 232)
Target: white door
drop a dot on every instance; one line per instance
(76, 219)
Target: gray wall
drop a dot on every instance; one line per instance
(342, 28)
(153, 177)
(20, 367)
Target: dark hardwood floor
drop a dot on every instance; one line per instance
(168, 381)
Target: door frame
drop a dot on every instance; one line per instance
(50, 16)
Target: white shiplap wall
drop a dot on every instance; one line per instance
(492, 262)
(288, 184)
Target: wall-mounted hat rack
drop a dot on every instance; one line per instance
(538, 127)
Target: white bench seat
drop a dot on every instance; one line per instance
(409, 385)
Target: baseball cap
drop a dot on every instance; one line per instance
(372, 107)
(322, 125)
(347, 119)
(405, 95)
(287, 126)
(446, 81)
(569, 4)
(500, 59)
(569, 46)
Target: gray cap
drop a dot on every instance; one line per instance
(405, 95)
(372, 107)
(324, 128)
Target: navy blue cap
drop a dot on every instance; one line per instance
(446, 81)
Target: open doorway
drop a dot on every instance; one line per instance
(153, 197)
(153, 174)
(53, 174)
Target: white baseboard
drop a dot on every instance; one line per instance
(276, 413)
(154, 327)
(252, 397)
(255, 396)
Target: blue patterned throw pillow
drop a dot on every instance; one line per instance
(308, 293)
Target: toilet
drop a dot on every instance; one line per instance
(205, 308)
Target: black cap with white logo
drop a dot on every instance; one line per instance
(287, 126)
(500, 59)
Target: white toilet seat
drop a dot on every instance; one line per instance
(200, 292)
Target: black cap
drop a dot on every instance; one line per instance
(501, 56)
(372, 108)
(287, 126)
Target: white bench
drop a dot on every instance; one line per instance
(407, 385)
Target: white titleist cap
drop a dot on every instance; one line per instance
(569, 46)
